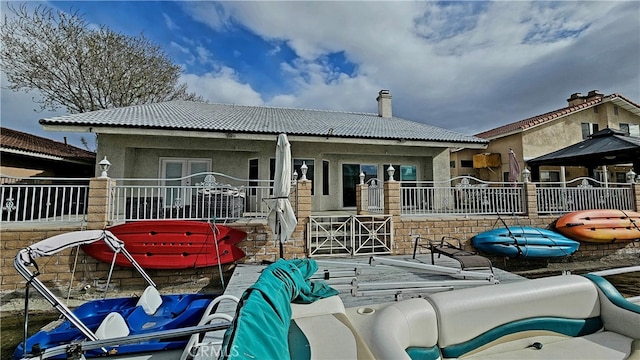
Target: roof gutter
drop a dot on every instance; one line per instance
(262, 136)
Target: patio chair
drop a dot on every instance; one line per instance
(468, 260)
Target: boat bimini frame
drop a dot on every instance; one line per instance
(50, 246)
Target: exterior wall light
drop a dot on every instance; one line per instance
(526, 175)
(304, 169)
(390, 172)
(104, 165)
(361, 178)
(631, 176)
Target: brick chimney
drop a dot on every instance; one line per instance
(594, 94)
(576, 99)
(384, 104)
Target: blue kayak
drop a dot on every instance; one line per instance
(524, 242)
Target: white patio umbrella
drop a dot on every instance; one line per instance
(281, 217)
(514, 167)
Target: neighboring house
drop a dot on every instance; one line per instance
(545, 133)
(178, 138)
(25, 155)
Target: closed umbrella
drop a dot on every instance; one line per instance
(281, 217)
(514, 167)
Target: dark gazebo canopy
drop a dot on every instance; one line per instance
(605, 147)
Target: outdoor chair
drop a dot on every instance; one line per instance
(468, 260)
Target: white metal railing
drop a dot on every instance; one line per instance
(349, 235)
(376, 196)
(43, 199)
(461, 196)
(203, 196)
(582, 194)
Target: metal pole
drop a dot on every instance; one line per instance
(26, 318)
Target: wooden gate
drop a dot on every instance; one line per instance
(349, 235)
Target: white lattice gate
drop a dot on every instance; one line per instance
(349, 235)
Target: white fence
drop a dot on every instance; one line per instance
(209, 196)
(44, 199)
(349, 235)
(461, 196)
(204, 196)
(582, 194)
(376, 196)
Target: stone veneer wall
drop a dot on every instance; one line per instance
(464, 228)
(259, 246)
(57, 270)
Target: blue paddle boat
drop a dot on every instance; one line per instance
(157, 321)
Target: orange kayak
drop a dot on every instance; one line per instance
(600, 226)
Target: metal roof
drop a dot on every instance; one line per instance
(199, 116)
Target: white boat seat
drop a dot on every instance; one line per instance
(321, 330)
(150, 300)
(112, 326)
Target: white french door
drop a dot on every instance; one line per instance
(177, 177)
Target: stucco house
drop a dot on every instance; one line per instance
(178, 138)
(542, 134)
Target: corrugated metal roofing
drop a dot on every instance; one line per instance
(187, 115)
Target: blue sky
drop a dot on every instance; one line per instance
(467, 66)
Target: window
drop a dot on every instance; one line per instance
(402, 173)
(254, 174)
(615, 109)
(588, 129)
(297, 164)
(370, 172)
(408, 173)
(466, 163)
(452, 164)
(325, 177)
(631, 129)
(351, 177)
(549, 176)
(595, 109)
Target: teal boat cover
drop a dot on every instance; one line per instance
(261, 325)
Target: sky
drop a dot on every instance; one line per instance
(467, 66)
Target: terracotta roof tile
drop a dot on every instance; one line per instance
(539, 119)
(18, 140)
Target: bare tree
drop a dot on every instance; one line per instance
(81, 67)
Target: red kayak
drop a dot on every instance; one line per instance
(172, 244)
(606, 225)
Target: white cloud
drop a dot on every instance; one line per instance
(461, 65)
(171, 25)
(204, 55)
(222, 86)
